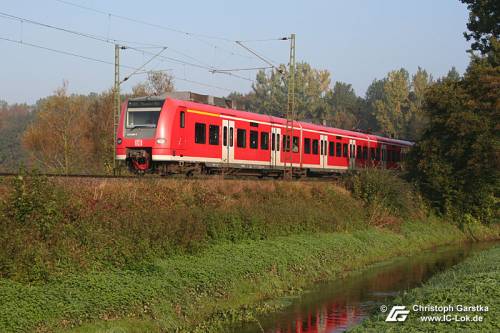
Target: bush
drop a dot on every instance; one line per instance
(52, 227)
(385, 195)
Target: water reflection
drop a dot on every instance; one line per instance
(338, 305)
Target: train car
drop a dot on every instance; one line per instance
(188, 133)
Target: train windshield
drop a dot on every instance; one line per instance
(144, 118)
(143, 114)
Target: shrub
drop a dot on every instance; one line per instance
(385, 195)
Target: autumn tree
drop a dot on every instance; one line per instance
(57, 138)
(99, 134)
(157, 83)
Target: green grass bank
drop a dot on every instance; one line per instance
(193, 255)
(471, 283)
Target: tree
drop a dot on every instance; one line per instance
(374, 93)
(13, 121)
(99, 133)
(457, 161)
(57, 138)
(484, 18)
(453, 74)
(416, 119)
(270, 92)
(158, 83)
(344, 106)
(392, 110)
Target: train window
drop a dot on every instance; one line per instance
(315, 147)
(339, 149)
(331, 148)
(372, 153)
(231, 141)
(383, 154)
(321, 149)
(352, 151)
(273, 141)
(241, 138)
(254, 124)
(295, 144)
(307, 146)
(264, 140)
(254, 139)
(277, 142)
(183, 119)
(365, 152)
(346, 149)
(359, 153)
(377, 154)
(200, 133)
(224, 136)
(213, 135)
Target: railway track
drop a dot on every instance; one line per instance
(150, 177)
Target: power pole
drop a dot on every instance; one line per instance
(290, 112)
(116, 112)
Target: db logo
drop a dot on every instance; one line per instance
(138, 143)
(397, 313)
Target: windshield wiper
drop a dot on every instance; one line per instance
(142, 126)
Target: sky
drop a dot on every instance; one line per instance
(357, 41)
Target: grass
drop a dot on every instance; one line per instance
(49, 227)
(472, 282)
(190, 255)
(204, 291)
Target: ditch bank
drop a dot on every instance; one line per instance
(463, 298)
(191, 255)
(204, 292)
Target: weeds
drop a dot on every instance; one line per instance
(57, 226)
(388, 199)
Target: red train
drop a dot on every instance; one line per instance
(189, 133)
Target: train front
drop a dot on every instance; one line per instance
(136, 135)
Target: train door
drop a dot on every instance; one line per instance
(352, 154)
(275, 147)
(227, 141)
(323, 151)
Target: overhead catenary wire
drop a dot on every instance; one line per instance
(241, 69)
(201, 64)
(194, 35)
(91, 36)
(21, 42)
(143, 65)
(267, 61)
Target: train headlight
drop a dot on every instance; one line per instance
(119, 141)
(160, 141)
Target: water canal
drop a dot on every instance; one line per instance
(340, 304)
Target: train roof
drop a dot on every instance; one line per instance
(226, 107)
